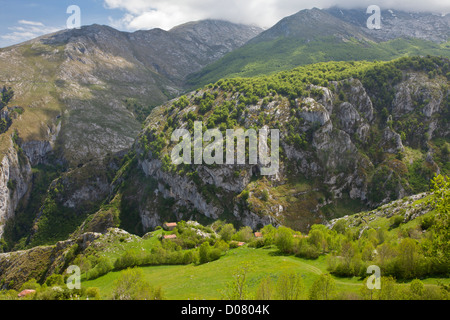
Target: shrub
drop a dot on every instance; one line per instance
(132, 285)
(127, 260)
(93, 293)
(55, 280)
(290, 286)
(204, 253)
(284, 239)
(396, 221)
(227, 232)
(308, 251)
(102, 267)
(265, 195)
(245, 234)
(324, 288)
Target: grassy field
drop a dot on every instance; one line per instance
(207, 282)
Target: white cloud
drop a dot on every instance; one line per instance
(31, 23)
(165, 14)
(25, 30)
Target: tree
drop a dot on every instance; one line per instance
(324, 288)
(416, 290)
(340, 226)
(238, 289)
(84, 263)
(132, 285)
(245, 234)
(265, 289)
(440, 201)
(93, 293)
(290, 286)
(55, 280)
(408, 258)
(227, 232)
(284, 239)
(31, 284)
(269, 233)
(204, 252)
(389, 289)
(317, 239)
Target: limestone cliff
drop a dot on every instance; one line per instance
(15, 181)
(340, 151)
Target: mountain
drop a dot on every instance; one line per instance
(315, 35)
(83, 76)
(80, 97)
(86, 124)
(353, 136)
(349, 244)
(399, 24)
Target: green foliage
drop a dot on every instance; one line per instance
(439, 248)
(181, 102)
(102, 267)
(284, 239)
(245, 234)
(55, 280)
(324, 288)
(265, 290)
(141, 112)
(269, 57)
(6, 95)
(18, 227)
(238, 288)
(290, 286)
(131, 285)
(205, 253)
(227, 232)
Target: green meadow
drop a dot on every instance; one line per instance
(208, 281)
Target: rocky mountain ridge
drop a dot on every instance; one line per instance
(79, 92)
(340, 145)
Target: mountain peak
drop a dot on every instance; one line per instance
(218, 31)
(310, 24)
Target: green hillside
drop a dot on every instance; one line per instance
(408, 239)
(285, 53)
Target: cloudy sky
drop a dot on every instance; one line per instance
(21, 20)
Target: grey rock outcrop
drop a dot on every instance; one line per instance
(15, 179)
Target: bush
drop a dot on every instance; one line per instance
(257, 243)
(102, 267)
(204, 253)
(324, 288)
(290, 286)
(308, 251)
(128, 260)
(132, 285)
(265, 195)
(396, 221)
(284, 239)
(227, 232)
(55, 280)
(93, 293)
(427, 222)
(214, 254)
(245, 234)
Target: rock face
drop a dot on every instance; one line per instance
(71, 87)
(78, 81)
(38, 263)
(15, 182)
(349, 157)
(399, 24)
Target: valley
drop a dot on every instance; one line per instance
(87, 179)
